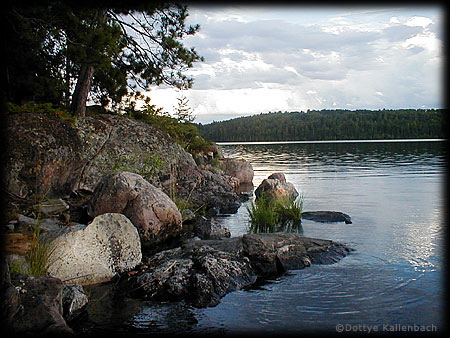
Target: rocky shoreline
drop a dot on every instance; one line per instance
(101, 194)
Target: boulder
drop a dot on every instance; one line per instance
(324, 251)
(327, 216)
(40, 311)
(44, 156)
(278, 176)
(239, 168)
(208, 190)
(151, 211)
(9, 295)
(97, 252)
(276, 186)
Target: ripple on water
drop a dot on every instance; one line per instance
(320, 297)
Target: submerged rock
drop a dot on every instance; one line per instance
(324, 251)
(273, 254)
(327, 216)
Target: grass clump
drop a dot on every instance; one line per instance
(268, 214)
(38, 255)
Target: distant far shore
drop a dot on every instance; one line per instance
(336, 141)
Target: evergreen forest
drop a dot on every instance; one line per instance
(329, 125)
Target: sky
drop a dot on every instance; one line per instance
(261, 59)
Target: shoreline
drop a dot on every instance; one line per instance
(331, 141)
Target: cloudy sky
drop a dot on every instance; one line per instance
(293, 58)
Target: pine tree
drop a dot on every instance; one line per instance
(99, 53)
(183, 112)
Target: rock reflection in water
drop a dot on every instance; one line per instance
(109, 311)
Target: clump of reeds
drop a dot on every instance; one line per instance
(38, 255)
(268, 214)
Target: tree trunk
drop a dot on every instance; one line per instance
(81, 91)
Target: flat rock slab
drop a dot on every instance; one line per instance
(202, 271)
(199, 275)
(327, 216)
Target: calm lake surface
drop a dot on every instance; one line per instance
(394, 193)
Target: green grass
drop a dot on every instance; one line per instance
(268, 215)
(263, 215)
(40, 251)
(290, 210)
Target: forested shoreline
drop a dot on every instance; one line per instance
(329, 125)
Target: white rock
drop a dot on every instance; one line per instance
(97, 252)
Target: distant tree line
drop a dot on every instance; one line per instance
(329, 125)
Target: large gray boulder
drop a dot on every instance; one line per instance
(276, 186)
(97, 252)
(152, 212)
(239, 168)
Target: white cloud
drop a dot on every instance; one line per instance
(260, 59)
(419, 21)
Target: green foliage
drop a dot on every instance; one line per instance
(38, 256)
(183, 112)
(127, 45)
(19, 267)
(146, 164)
(183, 132)
(263, 215)
(31, 107)
(269, 214)
(289, 210)
(329, 125)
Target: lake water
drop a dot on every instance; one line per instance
(392, 281)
